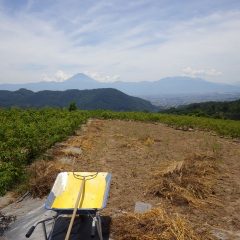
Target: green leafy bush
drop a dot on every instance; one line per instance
(9, 175)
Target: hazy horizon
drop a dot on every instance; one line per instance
(55, 80)
(144, 40)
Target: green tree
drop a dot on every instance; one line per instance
(72, 106)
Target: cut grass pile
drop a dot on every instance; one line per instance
(187, 182)
(42, 176)
(184, 183)
(155, 225)
(5, 222)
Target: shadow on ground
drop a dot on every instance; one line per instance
(81, 228)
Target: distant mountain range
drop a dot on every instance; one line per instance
(106, 98)
(165, 86)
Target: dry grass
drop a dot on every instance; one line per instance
(189, 181)
(5, 221)
(148, 141)
(154, 225)
(43, 174)
(87, 144)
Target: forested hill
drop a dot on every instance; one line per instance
(106, 98)
(225, 110)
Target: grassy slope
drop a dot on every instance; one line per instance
(25, 134)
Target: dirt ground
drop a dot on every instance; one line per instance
(133, 151)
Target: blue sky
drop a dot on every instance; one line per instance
(119, 40)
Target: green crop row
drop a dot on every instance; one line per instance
(25, 134)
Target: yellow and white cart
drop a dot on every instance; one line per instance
(77, 193)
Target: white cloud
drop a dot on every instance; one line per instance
(59, 76)
(211, 72)
(101, 77)
(137, 46)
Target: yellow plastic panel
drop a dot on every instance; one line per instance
(67, 186)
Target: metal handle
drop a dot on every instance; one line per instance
(30, 231)
(78, 202)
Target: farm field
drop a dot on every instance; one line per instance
(136, 152)
(26, 134)
(145, 160)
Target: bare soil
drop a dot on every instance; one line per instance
(134, 151)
